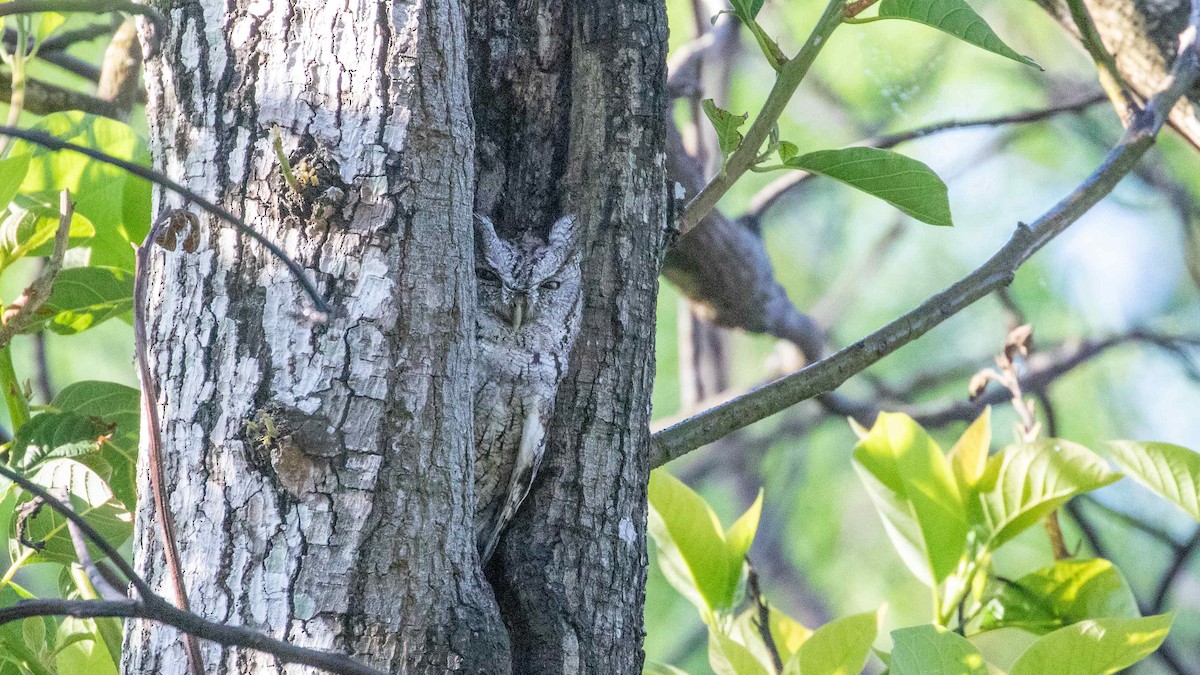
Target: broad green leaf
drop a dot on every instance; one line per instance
(119, 406)
(1170, 471)
(727, 657)
(46, 23)
(117, 203)
(90, 497)
(58, 434)
(901, 181)
(788, 633)
(726, 125)
(956, 18)
(693, 550)
(1029, 481)
(747, 10)
(840, 647)
(1094, 647)
(23, 642)
(968, 458)
(12, 173)
(30, 225)
(1067, 592)
(933, 649)
(655, 668)
(912, 487)
(84, 297)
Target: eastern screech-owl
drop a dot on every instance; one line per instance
(527, 315)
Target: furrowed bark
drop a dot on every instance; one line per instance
(322, 473)
(572, 122)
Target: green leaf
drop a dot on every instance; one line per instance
(30, 225)
(117, 203)
(747, 10)
(901, 181)
(84, 297)
(912, 487)
(81, 650)
(46, 23)
(968, 458)
(1094, 647)
(740, 535)
(840, 647)
(727, 657)
(57, 434)
(1067, 592)
(693, 550)
(726, 125)
(1024, 483)
(956, 18)
(90, 497)
(12, 173)
(118, 406)
(933, 649)
(787, 150)
(1170, 471)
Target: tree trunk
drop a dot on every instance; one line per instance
(568, 101)
(322, 473)
(349, 528)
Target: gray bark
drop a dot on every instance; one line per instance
(349, 530)
(568, 101)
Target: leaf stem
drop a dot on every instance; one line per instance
(788, 79)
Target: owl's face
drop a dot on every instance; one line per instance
(522, 286)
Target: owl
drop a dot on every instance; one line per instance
(527, 315)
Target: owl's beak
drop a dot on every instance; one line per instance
(517, 312)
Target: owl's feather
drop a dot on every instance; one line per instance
(529, 458)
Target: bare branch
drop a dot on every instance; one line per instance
(998, 271)
(43, 98)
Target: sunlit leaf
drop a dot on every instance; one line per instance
(968, 458)
(694, 550)
(117, 203)
(30, 226)
(84, 297)
(932, 649)
(901, 181)
(1094, 647)
(1029, 481)
(1170, 471)
(1067, 592)
(840, 647)
(956, 18)
(12, 173)
(45, 23)
(727, 657)
(912, 487)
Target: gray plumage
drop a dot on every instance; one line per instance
(527, 315)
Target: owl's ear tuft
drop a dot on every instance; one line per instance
(564, 232)
(489, 245)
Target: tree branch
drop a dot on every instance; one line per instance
(46, 140)
(998, 271)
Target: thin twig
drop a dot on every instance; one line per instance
(230, 636)
(827, 374)
(46, 140)
(88, 6)
(30, 301)
(154, 607)
(150, 422)
(764, 618)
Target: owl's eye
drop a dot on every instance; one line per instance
(484, 274)
(551, 285)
